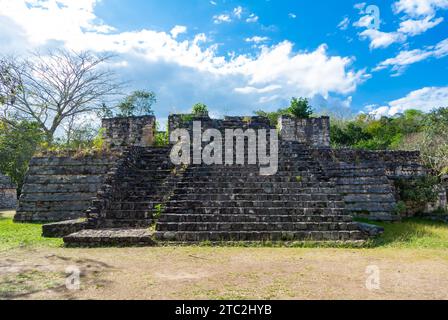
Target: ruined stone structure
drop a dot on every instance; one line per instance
(314, 195)
(61, 188)
(314, 132)
(8, 193)
(121, 133)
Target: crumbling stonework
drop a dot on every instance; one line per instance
(186, 122)
(133, 131)
(366, 178)
(314, 131)
(8, 193)
(61, 188)
(314, 195)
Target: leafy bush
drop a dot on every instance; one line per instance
(162, 139)
(416, 193)
(300, 108)
(200, 109)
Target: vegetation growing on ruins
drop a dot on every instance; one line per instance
(298, 108)
(411, 130)
(416, 193)
(199, 109)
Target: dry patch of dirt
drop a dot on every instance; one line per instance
(223, 273)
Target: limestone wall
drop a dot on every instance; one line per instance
(186, 122)
(313, 131)
(365, 178)
(8, 193)
(133, 131)
(61, 188)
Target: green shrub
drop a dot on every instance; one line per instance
(162, 139)
(200, 109)
(158, 210)
(400, 208)
(300, 108)
(417, 192)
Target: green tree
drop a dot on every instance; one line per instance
(272, 116)
(300, 108)
(18, 143)
(138, 103)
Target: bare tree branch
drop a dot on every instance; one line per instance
(56, 86)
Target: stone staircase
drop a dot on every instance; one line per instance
(134, 193)
(366, 190)
(218, 203)
(235, 203)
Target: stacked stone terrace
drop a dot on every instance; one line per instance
(8, 193)
(314, 195)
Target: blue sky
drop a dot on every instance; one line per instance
(241, 56)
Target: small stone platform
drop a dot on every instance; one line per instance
(111, 237)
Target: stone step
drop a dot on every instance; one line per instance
(298, 211)
(252, 185)
(107, 223)
(257, 226)
(256, 197)
(371, 207)
(268, 190)
(110, 237)
(256, 204)
(208, 218)
(368, 189)
(246, 173)
(363, 181)
(260, 236)
(127, 214)
(370, 198)
(249, 179)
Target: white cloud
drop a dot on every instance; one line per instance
(425, 99)
(213, 3)
(419, 17)
(252, 18)
(43, 20)
(257, 39)
(218, 19)
(343, 25)
(379, 39)
(184, 72)
(292, 15)
(405, 58)
(177, 30)
(415, 27)
(360, 7)
(418, 8)
(363, 22)
(307, 73)
(267, 89)
(238, 12)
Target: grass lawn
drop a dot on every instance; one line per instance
(410, 234)
(413, 234)
(412, 257)
(16, 235)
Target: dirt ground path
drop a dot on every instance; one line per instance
(224, 273)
